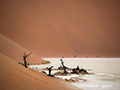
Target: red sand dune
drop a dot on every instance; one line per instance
(15, 51)
(53, 28)
(56, 28)
(14, 76)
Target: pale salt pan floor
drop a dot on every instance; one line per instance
(106, 72)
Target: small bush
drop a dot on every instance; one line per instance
(96, 55)
(70, 69)
(70, 80)
(66, 79)
(47, 62)
(75, 55)
(58, 73)
(42, 62)
(43, 72)
(36, 68)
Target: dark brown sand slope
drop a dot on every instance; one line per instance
(13, 76)
(15, 51)
(55, 28)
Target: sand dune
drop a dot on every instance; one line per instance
(15, 51)
(57, 28)
(53, 28)
(14, 76)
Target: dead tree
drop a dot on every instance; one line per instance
(76, 70)
(24, 58)
(64, 67)
(49, 69)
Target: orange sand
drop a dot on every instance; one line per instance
(53, 28)
(14, 76)
(15, 51)
(56, 28)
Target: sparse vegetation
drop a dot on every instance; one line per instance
(42, 62)
(70, 80)
(75, 55)
(70, 69)
(66, 79)
(43, 72)
(58, 73)
(96, 55)
(36, 68)
(31, 69)
(47, 62)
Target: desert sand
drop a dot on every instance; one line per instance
(56, 28)
(14, 76)
(53, 28)
(15, 51)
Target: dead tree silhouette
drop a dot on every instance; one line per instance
(76, 70)
(64, 67)
(24, 58)
(49, 69)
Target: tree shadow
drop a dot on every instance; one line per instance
(21, 63)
